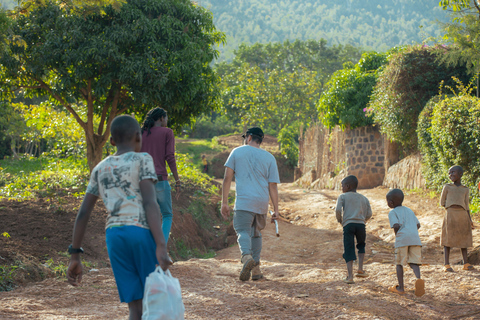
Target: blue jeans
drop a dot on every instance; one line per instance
(164, 200)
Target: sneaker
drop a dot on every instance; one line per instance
(248, 265)
(256, 273)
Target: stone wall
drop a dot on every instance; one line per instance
(327, 156)
(321, 157)
(365, 151)
(406, 174)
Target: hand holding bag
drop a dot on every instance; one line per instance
(162, 299)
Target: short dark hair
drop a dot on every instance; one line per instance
(256, 133)
(123, 128)
(457, 167)
(396, 195)
(351, 180)
(256, 138)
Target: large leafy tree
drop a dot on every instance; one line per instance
(278, 84)
(147, 53)
(348, 91)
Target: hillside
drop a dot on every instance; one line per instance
(372, 24)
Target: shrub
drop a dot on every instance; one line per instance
(405, 85)
(288, 145)
(449, 134)
(348, 91)
(207, 127)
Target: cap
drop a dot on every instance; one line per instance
(255, 130)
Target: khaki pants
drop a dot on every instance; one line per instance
(248, 225)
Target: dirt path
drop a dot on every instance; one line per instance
(303, 269)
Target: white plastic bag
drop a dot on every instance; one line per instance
(162, 299)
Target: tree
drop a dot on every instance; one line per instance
(348, 91)
(149, 53)
(273, 99)
(462, 35)
(411, 77)
(277, 84)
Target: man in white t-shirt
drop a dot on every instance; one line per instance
(256, 179)
(408, 247)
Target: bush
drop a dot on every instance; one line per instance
(405, 85)
(288, 145)
(207, 127)
(449, 134)
(348, 91)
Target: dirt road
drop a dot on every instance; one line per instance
(303, 269)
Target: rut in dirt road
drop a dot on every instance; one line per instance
(303, 270)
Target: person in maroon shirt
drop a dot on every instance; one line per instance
(159, 142)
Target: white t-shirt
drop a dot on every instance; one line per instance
(254, 169)
(407, 235)
(117, 181)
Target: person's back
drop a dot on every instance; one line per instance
(160, 144)
(408, 247)
(135, 243)
(352, 211)
(407, 234)
(256, 178)
(254, 168)
(116, 180)
(353, 207)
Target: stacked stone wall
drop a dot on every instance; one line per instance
(327, 156)
(365, 153)
(406, 174)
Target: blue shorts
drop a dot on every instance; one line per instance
(132, 255)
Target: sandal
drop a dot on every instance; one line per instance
(468, 266)
(361, 274)
(419, 287)
(347, 281)
(395, 290)
(448, 268)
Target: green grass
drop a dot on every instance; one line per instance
(29, 177)
(196, 148)
(26, 178)
(185, 253)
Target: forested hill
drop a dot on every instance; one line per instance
(371, 24)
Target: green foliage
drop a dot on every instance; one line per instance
(404, 86)
(149, 53)
(28, 177)
(288, 145)
(373, 24)
(213, 125)
(7, 277)
(196, 148)
(464, 45)
(449, 135)
(348, 91)
(184, 252)
(191, 175)
(277, 84)
(59, 268)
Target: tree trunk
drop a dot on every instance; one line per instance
(94, 151)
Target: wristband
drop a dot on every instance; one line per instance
(72, 250)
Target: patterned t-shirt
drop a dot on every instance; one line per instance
(117, 181)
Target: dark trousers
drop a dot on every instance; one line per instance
(350, 232)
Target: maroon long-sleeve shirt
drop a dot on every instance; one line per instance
(160, 144)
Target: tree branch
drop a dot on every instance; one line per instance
(105, 109)
(63, 102)
(28, 87)
(113, 113)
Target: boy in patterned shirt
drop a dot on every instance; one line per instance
(135, 242)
